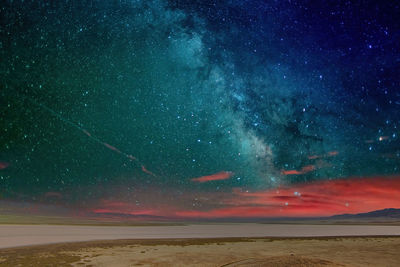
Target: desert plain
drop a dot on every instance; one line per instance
(241, 244)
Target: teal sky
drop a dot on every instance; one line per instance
(130, 101)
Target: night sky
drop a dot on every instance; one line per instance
(200, 109)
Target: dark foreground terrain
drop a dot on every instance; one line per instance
(332, 251)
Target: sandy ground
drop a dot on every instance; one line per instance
(282, 252)
(23, 235)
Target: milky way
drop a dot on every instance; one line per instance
(171, 108)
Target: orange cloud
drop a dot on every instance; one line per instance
(305, 169)
(213, 177)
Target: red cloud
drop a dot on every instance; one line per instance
(213, 177)
(352, 195)
(323, 198)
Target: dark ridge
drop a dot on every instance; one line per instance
(385, 213)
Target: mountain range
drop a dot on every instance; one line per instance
(384, 213)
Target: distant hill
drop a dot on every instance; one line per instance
(385, 213)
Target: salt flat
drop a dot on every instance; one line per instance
(23, 235)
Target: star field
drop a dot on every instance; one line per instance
(183, 108)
